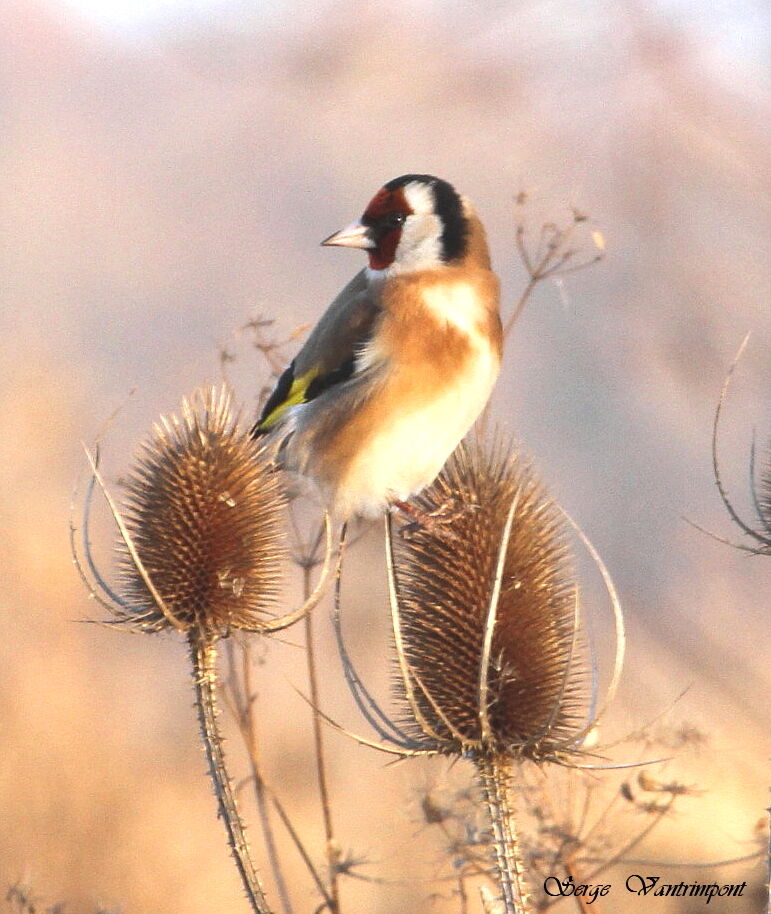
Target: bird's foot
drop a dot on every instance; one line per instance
(436, 521)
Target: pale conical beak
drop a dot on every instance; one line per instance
(355, 235)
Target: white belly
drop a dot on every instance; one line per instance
(410, 450)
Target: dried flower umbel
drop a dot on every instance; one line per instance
(200, 551)
(490, 659)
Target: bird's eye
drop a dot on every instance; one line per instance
(395, 220)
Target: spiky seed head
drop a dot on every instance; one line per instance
(764, 494)
(203, 514)
(534, 699)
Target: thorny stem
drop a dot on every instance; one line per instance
(319, 752)
(203, 655)
(495, 775)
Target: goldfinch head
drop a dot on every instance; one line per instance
(414, 222)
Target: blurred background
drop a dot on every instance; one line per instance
(168, 170)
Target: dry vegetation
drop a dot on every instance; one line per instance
(493, 661)
(154, 196)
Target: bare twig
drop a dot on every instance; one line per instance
(293, 834)
(245, 716)
(586, 905)
(768, 861)
(715, 424)
(318, 742)
(621, 854)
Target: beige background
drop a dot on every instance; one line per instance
(162, 185)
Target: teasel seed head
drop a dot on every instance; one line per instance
(760, 483)
(202, 543)
(486, 623)
(764, 497)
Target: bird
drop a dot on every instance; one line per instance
(402, 362)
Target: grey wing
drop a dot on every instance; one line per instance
(329, 355)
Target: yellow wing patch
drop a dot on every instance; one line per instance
(295, 396)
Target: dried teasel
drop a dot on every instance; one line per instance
(491, 662)
(201, 536)
(764, 497)
(486, 615)
(760, 488)
(760, 480)
(200, 550)
(204, 515)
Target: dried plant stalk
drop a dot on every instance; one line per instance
(490, 663)
(768, 860)
(203, 655)
(201, 549)
(495, 776)
(552, 254)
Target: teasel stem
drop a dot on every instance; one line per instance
(495, 775)
(203, 655)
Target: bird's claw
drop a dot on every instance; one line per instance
(438, 521)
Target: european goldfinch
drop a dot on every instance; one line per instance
(402, 362)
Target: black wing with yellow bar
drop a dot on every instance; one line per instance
(291, 391)
(328, 357)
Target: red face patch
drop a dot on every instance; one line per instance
(382, 217)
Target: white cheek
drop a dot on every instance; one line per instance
(420, 244)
